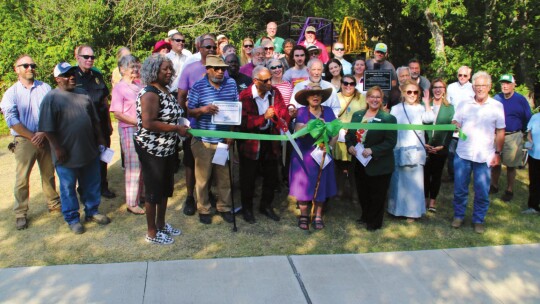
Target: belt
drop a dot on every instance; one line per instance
(508, 133)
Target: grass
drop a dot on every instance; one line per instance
(48, 240)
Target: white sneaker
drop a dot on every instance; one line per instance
(160, 239)
(169, 230)
(530, 211)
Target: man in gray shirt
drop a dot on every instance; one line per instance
(71, 124)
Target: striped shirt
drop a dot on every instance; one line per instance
(201, 94)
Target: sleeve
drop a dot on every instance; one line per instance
(193, 98)
(333, 102)
(280, 107)
(46, 115)
(295, 90)
(183, 80)
(390, 140)
(287, 76)
(9, 108)
(527, 112)
(500, 120)
(117, 99)
(428, 116)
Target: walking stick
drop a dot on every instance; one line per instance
(317, 184)
(234, 229)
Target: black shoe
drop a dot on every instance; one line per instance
(248, 216)
(493, 190)
(107, 193)
(205, 219)
(227, 216)
(507, 196)
(189, 206)
(269, 212)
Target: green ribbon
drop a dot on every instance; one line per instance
(320, 131)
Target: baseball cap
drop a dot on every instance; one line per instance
(381, 47)
(311, 29)
(62, 68)
(507, 78)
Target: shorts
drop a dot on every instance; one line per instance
(188, 160)
(158, 173)
(512, 154)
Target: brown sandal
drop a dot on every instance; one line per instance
(318, 223)
(303, 222)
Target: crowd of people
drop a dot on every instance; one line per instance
(282, 87)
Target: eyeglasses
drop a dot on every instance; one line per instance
(220, 68)
(374, 97)
(264, 80)
(28, 65)
(299, 55)
(346, 83)
(438, 88)
(314, 52)
(269, 48)
(339, 49)
(412, 92)
(180, 40)
(481, 85)
(276, 67)
(248, 46)
(86, 57)
(462, 75)
(213, 47)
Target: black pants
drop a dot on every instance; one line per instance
(249, 170)
(104, 125)
(534, 184)
(372, 192)
(432, 174)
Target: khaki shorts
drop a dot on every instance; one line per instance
(512, 154)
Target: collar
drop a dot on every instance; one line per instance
(34, 84)
(255, 93)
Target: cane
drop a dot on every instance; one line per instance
(317, 184)
(235, 229)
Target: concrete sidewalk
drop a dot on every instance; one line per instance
(500, 274)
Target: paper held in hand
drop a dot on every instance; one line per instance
(359, 149)
(107, 155)
(317, 155)
(222, 154)
(230, 113)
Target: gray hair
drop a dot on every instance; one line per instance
(257, 70)
(311, 62)
(270, 61)
(150, 68)
(126, 61)
(257, 48)
(402, 68)
(481, 74)
(464, 67)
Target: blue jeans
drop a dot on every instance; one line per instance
(462, 177)
(89, 181)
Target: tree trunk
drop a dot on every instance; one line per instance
(438, 36)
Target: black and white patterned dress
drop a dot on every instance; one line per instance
(160, 144)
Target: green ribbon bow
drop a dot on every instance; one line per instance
(321, 131)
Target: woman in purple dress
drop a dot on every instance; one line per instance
(307, 181)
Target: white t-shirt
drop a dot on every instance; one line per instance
(456, 93)
(479, 122)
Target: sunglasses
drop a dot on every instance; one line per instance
(314, 52)
(412, 92)
(86, 57)
(218, 68)
(28, 65)
(264, 80)
(339, 49)
(347, 83)
(269, 48)
(213, 47)
(180, 40)
(248, 46)
(463, 75)
(276, 67)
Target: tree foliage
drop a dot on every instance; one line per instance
(492, 35)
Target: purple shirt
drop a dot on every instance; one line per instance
(247, 69)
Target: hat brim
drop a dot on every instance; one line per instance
(302, 95)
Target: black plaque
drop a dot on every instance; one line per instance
(381, 78)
